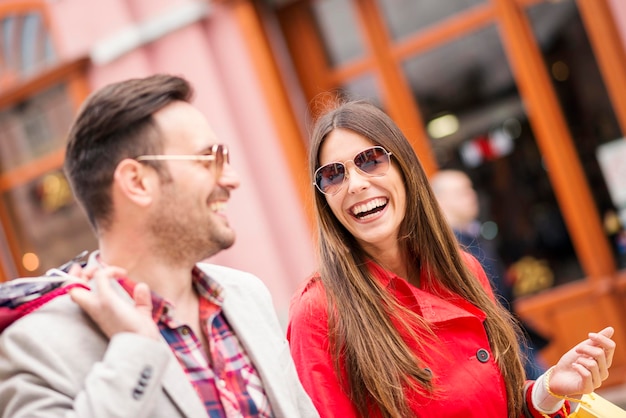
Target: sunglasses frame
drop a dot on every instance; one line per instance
(345, 170)
(210, 155)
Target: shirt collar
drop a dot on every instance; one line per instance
(206, 287)
(432, 300)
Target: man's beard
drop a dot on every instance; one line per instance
(180, 238)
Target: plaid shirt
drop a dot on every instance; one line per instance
(229, 386)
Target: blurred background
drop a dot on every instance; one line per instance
(528, 97)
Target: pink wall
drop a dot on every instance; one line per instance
(273, 241)
(619, 13)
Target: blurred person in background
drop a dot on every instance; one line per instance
(157, 333)
(398, 321)
(458, 201)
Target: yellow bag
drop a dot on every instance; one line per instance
(595, 406)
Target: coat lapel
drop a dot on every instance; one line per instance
(177, 386)
(252, 330)
(175, 382)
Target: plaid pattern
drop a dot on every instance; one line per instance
(227, 383)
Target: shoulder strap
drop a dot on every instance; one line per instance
(19, 297)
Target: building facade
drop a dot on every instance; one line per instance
(526, 96)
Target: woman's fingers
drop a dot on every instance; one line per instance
(588, 369)
(603, 339)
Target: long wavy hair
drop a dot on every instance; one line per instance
(373, 362)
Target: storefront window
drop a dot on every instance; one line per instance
(339, 30)
(42, 225)
(34, 128)
(405, 17)
(478, 124)
(26, 45)
(364, 87)
(582, 95)
(6, 25)
(49, 226)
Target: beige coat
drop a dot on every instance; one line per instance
(55, 362)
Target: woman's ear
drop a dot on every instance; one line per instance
(135, 181)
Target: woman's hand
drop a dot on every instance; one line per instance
(583, 369)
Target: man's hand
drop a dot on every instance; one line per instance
(112, 313)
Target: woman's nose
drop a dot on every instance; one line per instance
(357, 181)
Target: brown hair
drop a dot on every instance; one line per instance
(116, 123)
(378, 363)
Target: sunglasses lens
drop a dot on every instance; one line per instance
(220, 153)
(225, 154)
(329, 178)
(373, 161)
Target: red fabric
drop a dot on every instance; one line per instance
(465, 386)
(10, 315)
(536, 414)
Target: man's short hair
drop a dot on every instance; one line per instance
(114, 123)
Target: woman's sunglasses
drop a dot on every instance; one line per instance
(329, 178)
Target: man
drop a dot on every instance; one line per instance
(459, 202)
(196, 339)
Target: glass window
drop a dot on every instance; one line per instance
(477, 123)
(405, 17)
(31, 29)
(34, 127)
(26, 47)
(339, 30)
(8, 38)
(364, 87)
(583, 98)
(50, 227)
(49, 52)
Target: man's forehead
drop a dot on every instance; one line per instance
(184, 126)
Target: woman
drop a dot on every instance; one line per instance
(398, 322)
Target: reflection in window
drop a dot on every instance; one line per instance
(339, 30)
(34, 127)
(405, 17)
(50, 227)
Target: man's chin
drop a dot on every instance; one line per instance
(228, 244)
(227, 240)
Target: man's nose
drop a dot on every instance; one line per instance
(229, 178)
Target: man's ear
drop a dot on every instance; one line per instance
(135, 181)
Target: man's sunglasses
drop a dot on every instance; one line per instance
(215, 156)
(329, 178)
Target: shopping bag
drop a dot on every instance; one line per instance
(593, 405)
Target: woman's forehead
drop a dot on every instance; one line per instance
(342, 145)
